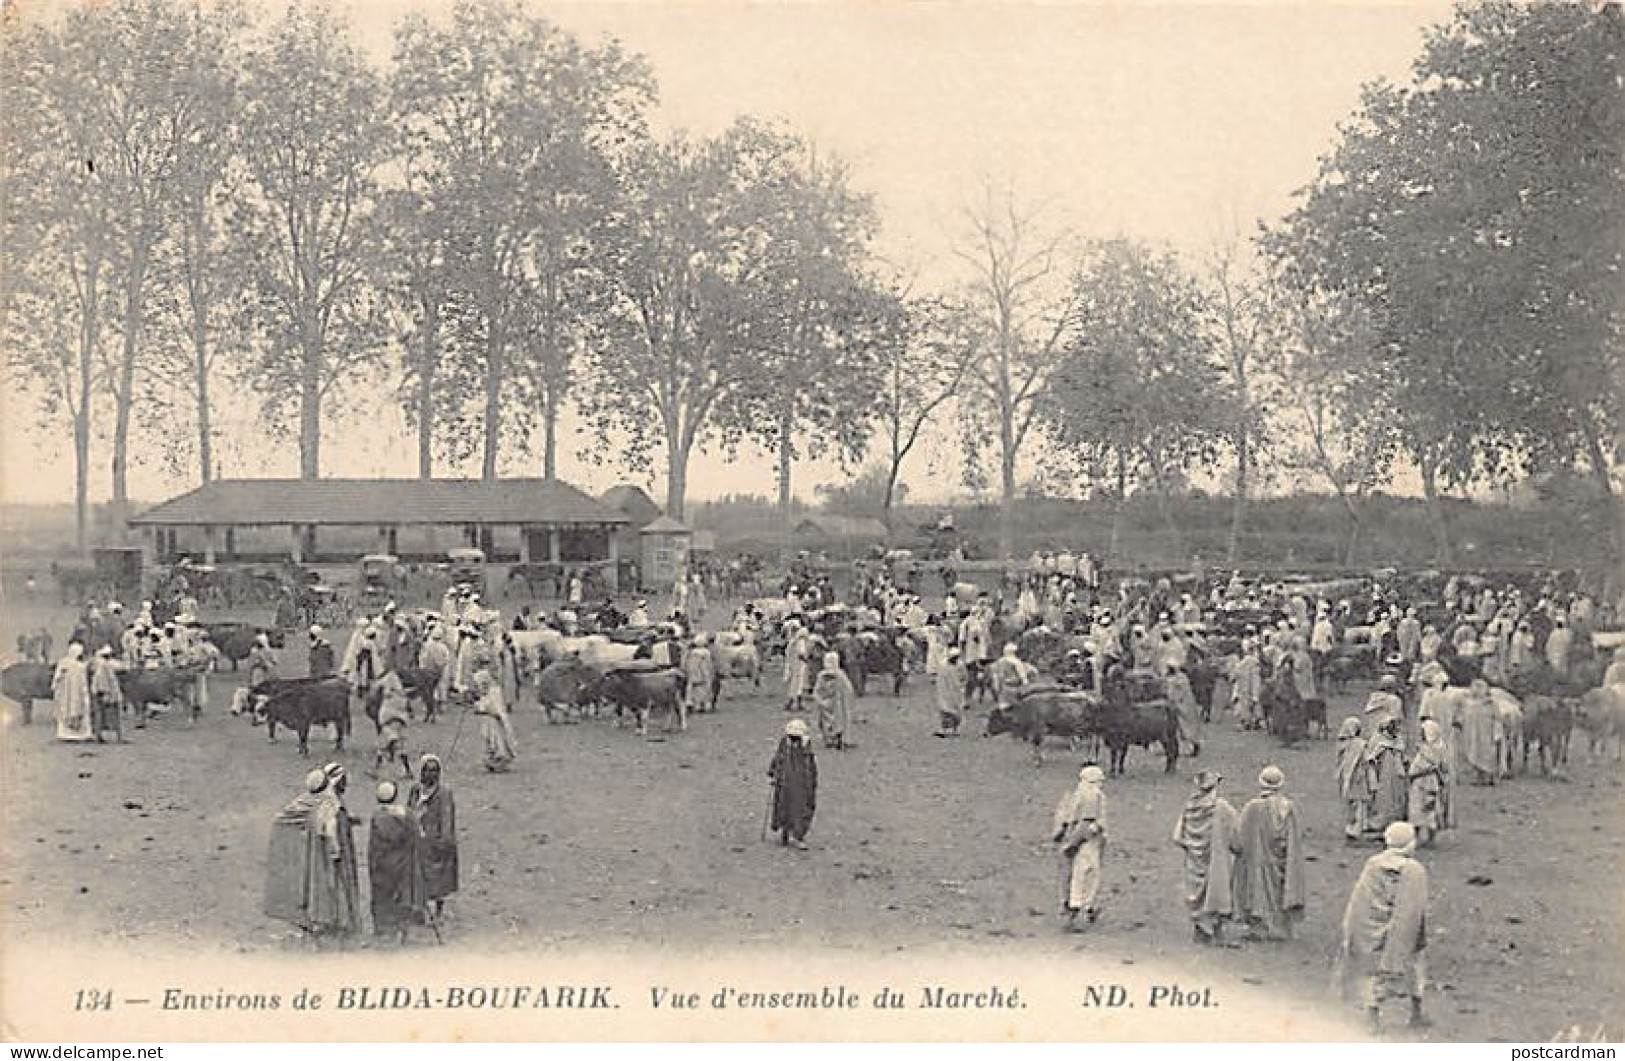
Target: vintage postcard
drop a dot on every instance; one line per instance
(827, 521)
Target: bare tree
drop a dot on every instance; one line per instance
(1238, 307)
(926, 361)
(1018, 288)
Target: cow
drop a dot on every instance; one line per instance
(1510, 713)
(23, 683)
(422, 684)
(644, 691)
(1130, 717)
(568, 685)
(736, 657)
(246, 700)
(1547, 724)
(236, 640)
(1047, 711)
(1344, 663)
(535, 649)
(1125, 724)
(312, 702)
(1288, 715)
(162, 685)
(1601, 713)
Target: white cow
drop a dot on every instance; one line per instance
(1602, 715)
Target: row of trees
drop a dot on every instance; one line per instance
(489, 229)
(486, 225)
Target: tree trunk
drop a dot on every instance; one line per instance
(494, 370)
(676, 476)
(1443, 551)
(205, 415)
(310, 405)
(427, 380)
(786, 463)
(1352, 546)
(550, 436)
(88, 339)
(124, 389)
(1121, 504)
(893, 469)
(1007, 491)
(1238, 510)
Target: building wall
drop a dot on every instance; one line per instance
(416, 542)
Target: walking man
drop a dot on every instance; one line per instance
(1080, 836)
(1384, 952)
(794, 772)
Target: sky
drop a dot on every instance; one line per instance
(1178, 124)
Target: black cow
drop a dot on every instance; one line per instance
(1345, 663)
(1125, 724)
(1047, 711)
(882, 654)
(311, 702)
(1136, 713)
(23, 683)
(1288, 715)
(246, 700)
(1548, 723)
(422, 684)
(645, 691)
(163, 685)
(419, 683)
(568, 685)
(236, 640)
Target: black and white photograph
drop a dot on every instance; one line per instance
(845, 520)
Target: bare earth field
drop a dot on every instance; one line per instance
(601, 839)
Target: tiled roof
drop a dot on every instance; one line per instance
(831, 526)
(631, 500)
(380, 501)
(665, 525)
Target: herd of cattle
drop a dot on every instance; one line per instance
(640, 674)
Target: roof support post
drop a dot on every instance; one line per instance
(614, 568)
(209, 534)
(552, 545)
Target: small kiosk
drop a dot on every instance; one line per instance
(666, 544)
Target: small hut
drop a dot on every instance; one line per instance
(666, 545)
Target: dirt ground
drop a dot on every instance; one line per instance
(601, 838)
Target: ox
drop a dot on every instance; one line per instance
(735, 657)
(23, 683)
(1047, 711)
(1548, 724)
(1601, 714)
(569, 686)
(163, 685)
(310, 702)
(645, 691)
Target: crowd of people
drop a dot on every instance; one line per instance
(1454, 670)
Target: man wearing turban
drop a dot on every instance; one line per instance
(1080, 835)
(1383, 956)
(833, 693)
(1203, 833)
(394, 865)
(311, 877)
(1268, 885)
